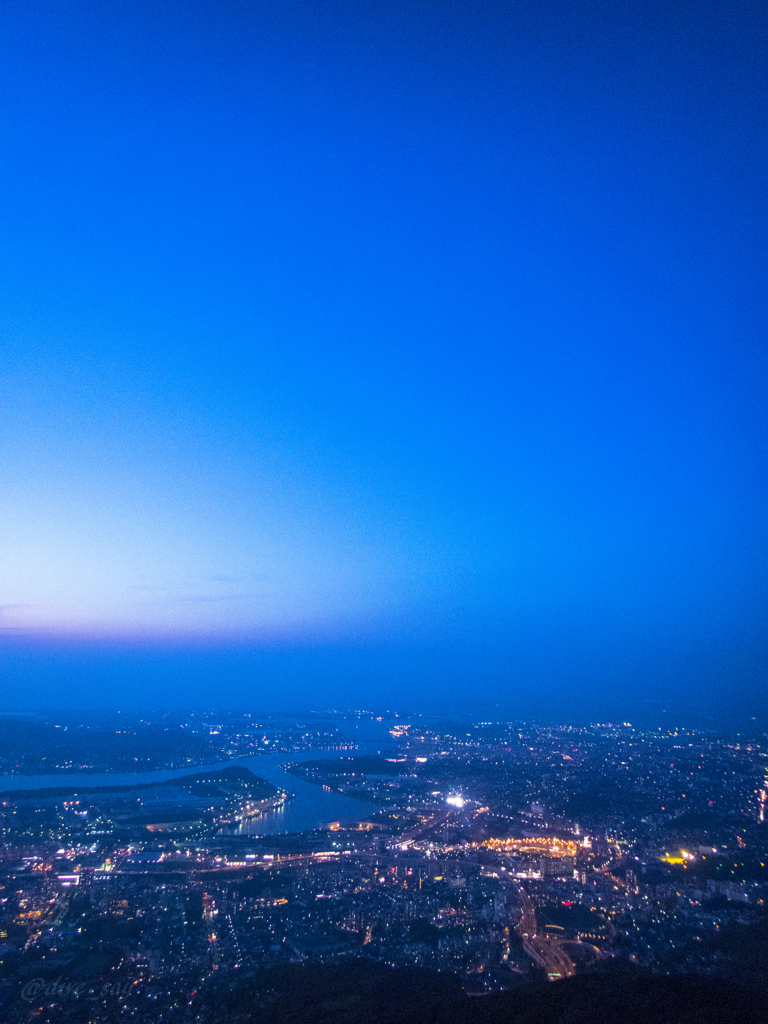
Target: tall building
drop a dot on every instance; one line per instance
(555, 867)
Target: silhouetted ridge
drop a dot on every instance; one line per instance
(373, 993)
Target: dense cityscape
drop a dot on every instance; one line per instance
(487, 857)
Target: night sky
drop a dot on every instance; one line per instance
(383, 354)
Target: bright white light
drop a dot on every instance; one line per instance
(456, 800)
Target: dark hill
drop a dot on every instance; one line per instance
(372, 993)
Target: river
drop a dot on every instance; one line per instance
(311, 807)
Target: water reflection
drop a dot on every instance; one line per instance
(311, 806)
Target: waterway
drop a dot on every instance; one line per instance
(311, 806)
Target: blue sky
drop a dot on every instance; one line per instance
(379, 350)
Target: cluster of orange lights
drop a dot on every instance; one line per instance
(545, 845)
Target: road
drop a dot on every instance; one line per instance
(543, 950)
(436, 820)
